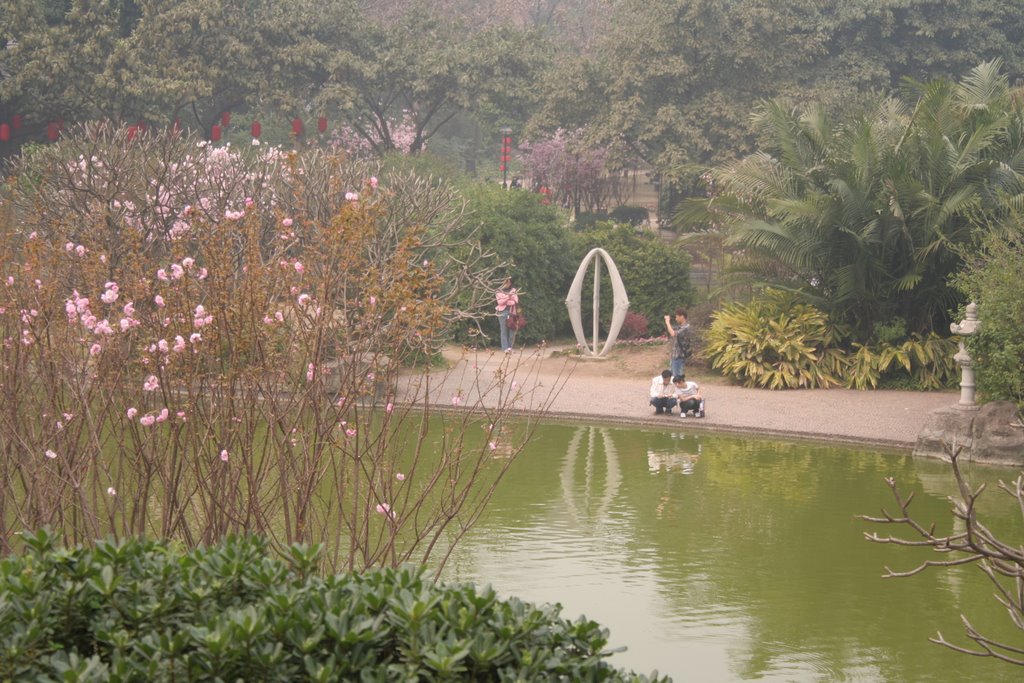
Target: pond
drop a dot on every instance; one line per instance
(715, 558)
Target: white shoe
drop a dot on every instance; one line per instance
(682, 414)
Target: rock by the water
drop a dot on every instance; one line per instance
(991, 434)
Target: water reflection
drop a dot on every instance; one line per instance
(591, 440)
(720, 559)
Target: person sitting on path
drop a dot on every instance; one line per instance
(688, 396)
(682, 345)
(663, 393)
(506, 298)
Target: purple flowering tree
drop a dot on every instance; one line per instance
(575, 173)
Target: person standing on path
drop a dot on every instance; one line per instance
(507, 297)
(682, 346)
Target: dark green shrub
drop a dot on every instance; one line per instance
(994, 280)
(633, 215)
(139, 610)
(532, 238)
(656, 275)
(585, 220)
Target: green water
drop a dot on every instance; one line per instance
(722, 559)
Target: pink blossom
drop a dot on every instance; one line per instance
(303, 299)
(299, 268)
(373, 301)
(399, 476)
(279, 316)
(195, 337)
(10, 280)
(151, 383)
(162, 275)
(163, 346)
(187, 261)
(80, 250)
(111, 491)
(373, 181)
(202, 274)
(248, 201)
(124, 324)
(180, 414)
(95, 350)
(103, 327)
(287, 222)
(179, 344)
(351, 196)
(109, 296)
(70, 246)
(224, 455)
(389, 408)
(233, 215)
(456, 400)
(385, 509)
(177, 271)
(32, 235)
(50, 454)
(131, 413)
(310, 372)
(492, 445)
(158, 300)
(164, 413)
(147, 420)
(350, 432)
(129, 308)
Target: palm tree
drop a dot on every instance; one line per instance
(866, 217)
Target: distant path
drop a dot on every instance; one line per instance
(595, 391)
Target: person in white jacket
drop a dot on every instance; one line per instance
(663, 393)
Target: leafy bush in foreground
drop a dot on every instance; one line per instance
(139, 610)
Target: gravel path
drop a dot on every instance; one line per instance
(595, 391)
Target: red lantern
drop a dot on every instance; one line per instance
(321, 124)
(5, 132)
(215, 133)
(502, 168)
(132, 130)
(52, 131)
(225, 118)
(16, 121)
(296, 126)
(256, 129)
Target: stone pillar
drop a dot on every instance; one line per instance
(967, 326)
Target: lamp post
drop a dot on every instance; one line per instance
(506, 151)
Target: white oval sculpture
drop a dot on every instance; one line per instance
(574, 302)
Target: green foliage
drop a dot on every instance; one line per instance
(994, 279)
(633, 215)
(778, 342)
(656, 275)
(865, 216)
(532, 239)
(775, 342)
(138, 610)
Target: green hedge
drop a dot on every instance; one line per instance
(140, 610)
